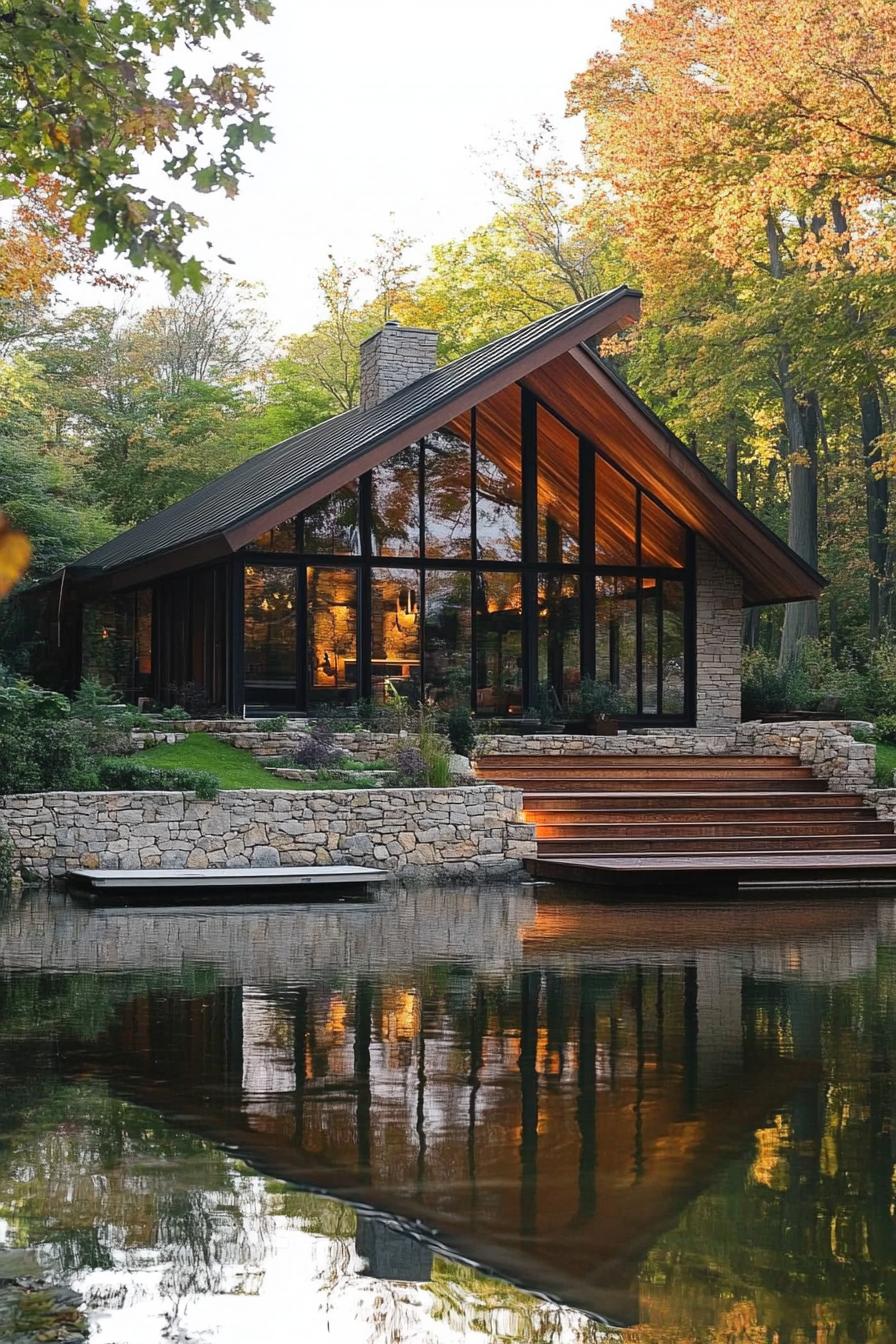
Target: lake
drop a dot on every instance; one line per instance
(501, 1113)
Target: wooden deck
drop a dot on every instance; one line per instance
(679, 821)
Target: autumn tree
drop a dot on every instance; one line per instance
(753, 144)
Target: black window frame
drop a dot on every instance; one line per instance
(529, 566)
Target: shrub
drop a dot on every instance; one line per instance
(6, 864)
(192, 695)
(461, 731)
(432, 749)
(316, 748)
(41, 745)
(765, 688)
(174, 713)
(410, 766)
(547, 706)
(274, 725)
(880, 678)
(597, 699)
(885, 728)
(136, 775)
(92, 700)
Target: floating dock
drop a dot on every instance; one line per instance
(142, 886)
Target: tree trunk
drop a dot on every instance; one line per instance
(801, 428)
(800, 618)
(731, 473)
(877, 501)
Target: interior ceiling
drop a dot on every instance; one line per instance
(589, 401)
(498, 438)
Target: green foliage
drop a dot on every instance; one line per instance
(174, 714)
(134, 774)
(6, 863)
(597, 699)
(885, 729)
(41, 746)
(432, 748)
(885, 765)
(83, 99)
(274, 725)
(94, 701)
(547, 706)
(766, 688)
(461, 731)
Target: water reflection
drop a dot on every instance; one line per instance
(676, 1118)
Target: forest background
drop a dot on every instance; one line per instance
(739, 166)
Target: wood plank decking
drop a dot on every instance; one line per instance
(660, 820)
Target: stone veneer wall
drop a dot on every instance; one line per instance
(719, 622)
(364, 745)
(643, 742)
(827, 746)
(415, 833)
(393, 357)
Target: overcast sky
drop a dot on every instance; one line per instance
(382, 109)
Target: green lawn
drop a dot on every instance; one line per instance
(885, 758)
(233, 767)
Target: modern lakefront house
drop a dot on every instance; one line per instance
(466, 535)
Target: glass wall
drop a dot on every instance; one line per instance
(559, 636)
(395, 635)
(269, 635)
(617, 636)
(448, 491)
(332, 635)
(447, 638)
(467, 575)
(395, 504)
(332, 526)
(499, 477)
(499, 644)
(558, 490)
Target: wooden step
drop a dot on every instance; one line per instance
(713, 844)
(631, 800)
(669, 770)
(591, 830)
(632, 761)
(675, 784)
(767, 816)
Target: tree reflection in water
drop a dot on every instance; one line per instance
(681, 1119)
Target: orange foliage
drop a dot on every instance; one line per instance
(40, 244)
(711, 118)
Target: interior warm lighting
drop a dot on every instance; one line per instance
(407, 611)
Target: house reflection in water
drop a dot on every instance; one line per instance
(648, 1112)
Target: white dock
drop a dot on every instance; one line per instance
(159, 882)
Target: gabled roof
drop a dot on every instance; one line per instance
(234, 509)
(245, 494)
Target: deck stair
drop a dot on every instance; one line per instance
(615, 812)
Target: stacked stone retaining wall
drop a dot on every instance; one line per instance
(414, 833)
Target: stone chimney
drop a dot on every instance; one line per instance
(394, 357)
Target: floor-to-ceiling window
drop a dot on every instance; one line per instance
(492, 564)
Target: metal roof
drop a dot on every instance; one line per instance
(273, 476)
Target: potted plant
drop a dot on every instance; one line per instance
(597, 706)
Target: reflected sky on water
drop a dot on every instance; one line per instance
(420, 1118)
